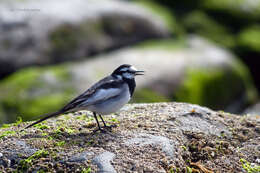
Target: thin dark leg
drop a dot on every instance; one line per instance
(95, 116)
(103, 121)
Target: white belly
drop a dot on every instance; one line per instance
(111, 105)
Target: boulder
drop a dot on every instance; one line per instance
(160, 137)
(253, 109)
(40, 32)
(195, 71)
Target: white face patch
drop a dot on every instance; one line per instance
(132, 68)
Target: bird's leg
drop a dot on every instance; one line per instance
(95, 116)
(102, 120)
(111, 126)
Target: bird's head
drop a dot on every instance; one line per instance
(126, 71)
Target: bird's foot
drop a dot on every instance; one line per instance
(110, 126)
(105, 128)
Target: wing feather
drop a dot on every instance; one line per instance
(102, 90)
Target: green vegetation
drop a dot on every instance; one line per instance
(31, 92)
(41, 126)
(60, 143)
(7, 133)
(249, 38)
(248, 167)
(86, 170)
(18, 121)
(26, 163)
(215, 88)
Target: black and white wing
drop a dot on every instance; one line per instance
(104, 89)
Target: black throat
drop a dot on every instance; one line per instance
(131, 85)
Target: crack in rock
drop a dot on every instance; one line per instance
(103, 162)
(146, 139)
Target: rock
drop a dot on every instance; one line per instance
(196, 72)
(15, 151)
(146, 139)
(81, 157)
(103, 162)
(158, 137)
(72, 30)
(254, 109)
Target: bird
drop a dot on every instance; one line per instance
(104, 97)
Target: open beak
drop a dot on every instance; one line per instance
(139, 73)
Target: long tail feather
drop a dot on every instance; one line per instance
(47, 116)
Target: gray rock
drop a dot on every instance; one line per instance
(254, 109)
(71, 31)
(81, 157)
(15, 151)
(143, 139)
(147, 138)
(199, 121)
(103, 162)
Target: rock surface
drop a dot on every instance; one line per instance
(196, 72)
(38, 32)
(159, 137)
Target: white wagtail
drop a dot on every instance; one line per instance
(106, 96)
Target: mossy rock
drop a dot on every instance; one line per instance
(199, 22)
(249, 39)
(34, 91)
(217, 87)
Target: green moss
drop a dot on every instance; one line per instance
(7, 133)
(18, 121)
(35, 91)
(249, 38)
(148, 96)
(41, 126)
(214, 88)
(27, 163)
(60, 143)
(86, 170)
(201, 23)
(248, 167)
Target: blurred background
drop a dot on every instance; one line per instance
(202, 51)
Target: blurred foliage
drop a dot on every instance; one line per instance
(204, 25)
(212, 88)
(23, 93)
(249, 38)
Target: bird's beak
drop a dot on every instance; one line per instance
(139, 73)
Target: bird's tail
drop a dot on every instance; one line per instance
(46, 117)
